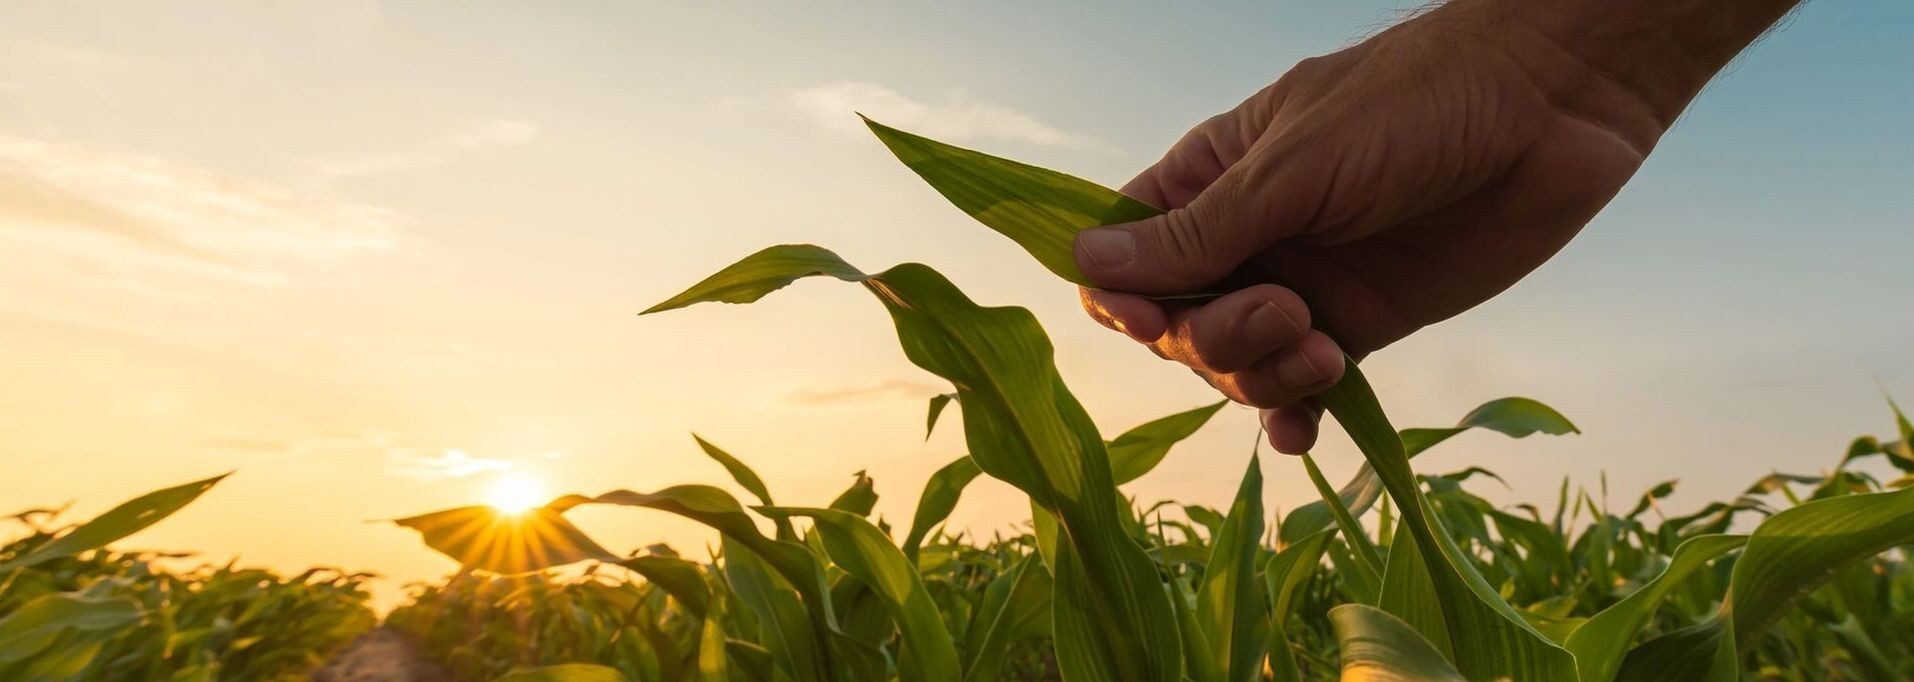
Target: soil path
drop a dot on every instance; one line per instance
(382, 655)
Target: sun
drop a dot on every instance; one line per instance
(515, 493)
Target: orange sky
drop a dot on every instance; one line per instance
(376, 258)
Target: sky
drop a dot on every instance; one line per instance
(382, 259)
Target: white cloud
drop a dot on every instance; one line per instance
(440, 465)
(130, 211)
(470, 138)
(957, 117)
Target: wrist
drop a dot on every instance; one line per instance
(1660, 51)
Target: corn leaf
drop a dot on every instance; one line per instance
(1042, 210)
(792, 561)
(784, 625)
(1368, 558)
(1514, 417)
(677, 577)
(937, 404)
(1788, 556)
(1488, 638)
(1140, 449)
(867, 554)
(858, 499)
(938, 500)
(1230, 606)
(36, 624)
(1016, 604)
(126, 519)
(1024, 427)
(1409, 592)
(1378, 647)
(484, 538)
(1600, 643)
(567, 672)
(1284, 573)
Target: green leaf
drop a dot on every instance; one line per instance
(784, 625)
(126, 519)
(1378, 647)
(1139, 450)
(1600, 643)
(1369, 559)
(1042, 210)
(792, 562)
(36, 624)
(747, 479)
(761, 273)
(1513, 417)
(1796, 550)
(713, 660)
(1285, 572)
(858, 499)
(677, 577)
(939, 499)
(937, 404)
(1409, 592)
(864, 552)
(1024, 427)
(1489, 638)
(1661, 491)
(1788, 556)
(567, 672)
(484, 538)
(1229, 603)
(1016, 604)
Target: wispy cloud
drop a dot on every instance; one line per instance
(895, 389)
(440, 464)
(957, 117)
(469, 138)
(143, 212)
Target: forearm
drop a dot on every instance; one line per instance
(1665, 51)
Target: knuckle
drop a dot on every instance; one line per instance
(1184, 247)
(1259, 391)
(1287, 301)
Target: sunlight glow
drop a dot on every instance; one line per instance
(515, 493)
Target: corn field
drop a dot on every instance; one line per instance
(1393, 575)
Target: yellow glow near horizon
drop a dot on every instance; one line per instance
(515, 493)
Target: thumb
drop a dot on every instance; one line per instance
(1245, 211)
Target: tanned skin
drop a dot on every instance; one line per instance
(1374, 191)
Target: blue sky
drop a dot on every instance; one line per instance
(331, 245)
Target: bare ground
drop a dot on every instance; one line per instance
(382, 655)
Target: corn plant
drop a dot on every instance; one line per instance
(1449, 588)
(72, 610)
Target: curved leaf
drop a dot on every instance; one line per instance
(761, 273)
(1140, 449)
(939, 499)
(1600, 643)
(484, 538)
(1230, 606)
(1378, 647)
(1042, 210)
(1514, 417)
(37, 623)
(864, 552)
(568, 672)
(1023, 426)
(128, 518)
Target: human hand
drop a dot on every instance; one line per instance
(1372, 192)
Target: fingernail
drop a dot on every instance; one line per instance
(1296, 371)
(1109, 248)
(1269, 324)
